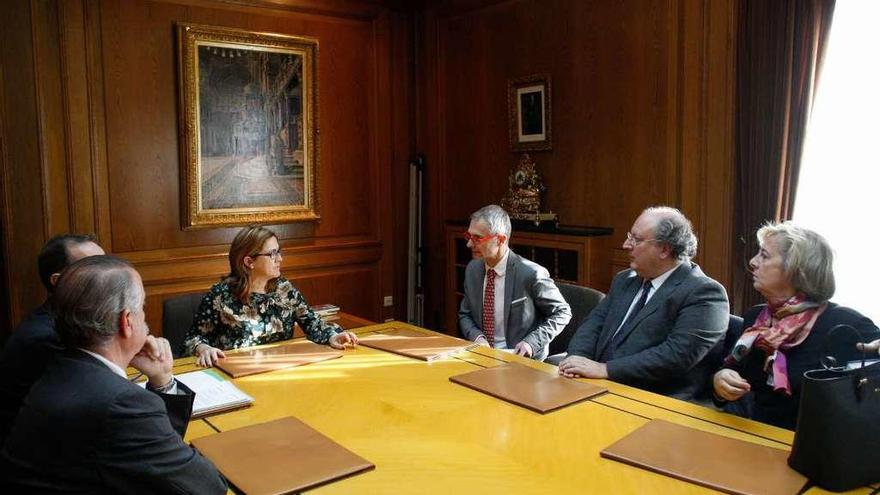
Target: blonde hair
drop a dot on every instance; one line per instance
(806, 256)
(247, 242)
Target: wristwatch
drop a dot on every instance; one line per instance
(164, 388)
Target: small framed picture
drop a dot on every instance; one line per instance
(528, 101)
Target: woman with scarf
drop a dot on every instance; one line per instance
(786, 336)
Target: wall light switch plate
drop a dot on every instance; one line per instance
(389, 301)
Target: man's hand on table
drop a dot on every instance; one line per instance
(581, 367)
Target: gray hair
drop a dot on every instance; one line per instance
(675, 230)
(495, 217)
(807, 258)
(89, 298)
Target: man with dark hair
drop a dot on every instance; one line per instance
(661, 317)
(84, 427)
(34, 343)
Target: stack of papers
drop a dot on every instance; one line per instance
(327, 312)
(213, 393)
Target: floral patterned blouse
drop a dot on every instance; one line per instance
(222, 321)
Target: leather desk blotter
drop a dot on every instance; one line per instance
(527, 387)
(238, 364)
(706, 459)
(281, 456)
(415, 344)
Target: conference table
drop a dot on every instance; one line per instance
(428, 435)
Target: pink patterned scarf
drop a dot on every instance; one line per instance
(777, 329)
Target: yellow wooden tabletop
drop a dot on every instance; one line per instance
(427, 435)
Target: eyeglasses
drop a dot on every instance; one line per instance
(478, 239)
(274, 254)
(635, 241)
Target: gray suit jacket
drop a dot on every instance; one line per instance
(663, 347)
(534, 309)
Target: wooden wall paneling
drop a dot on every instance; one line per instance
(641, 110)
(381, 110)
(97, 128)
(51, 113)
(403, 117)
(24, 216)
(706, 184)
(430, 134)
(77, 127)
(94, 95)
(139, 67)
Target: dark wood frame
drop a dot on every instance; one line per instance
(515, 119)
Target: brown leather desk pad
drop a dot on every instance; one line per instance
(238, 364)
(706, 459)
(281, 456)
(527, 387)
(415, 344)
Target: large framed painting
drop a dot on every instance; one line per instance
(528, 102)
(249, 127)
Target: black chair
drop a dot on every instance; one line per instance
(177, 316)
(582, 301)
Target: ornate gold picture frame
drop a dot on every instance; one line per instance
(528, 102)
(248, 127)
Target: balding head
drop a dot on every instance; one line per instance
(62, 250)
(674, 229)
(91, 295)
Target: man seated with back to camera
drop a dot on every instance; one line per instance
(34, 343)
(661, 317)
(84, 427)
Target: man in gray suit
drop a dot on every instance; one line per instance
(661, 317)
(509, 302)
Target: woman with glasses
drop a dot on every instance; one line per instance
(255, 305)
(786, 336)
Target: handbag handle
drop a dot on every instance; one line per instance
(828, 361)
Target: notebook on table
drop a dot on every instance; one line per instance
(281, 456)
(252, 361)
(725, 464)
(415, 344)
(213, 393)
(533, 389)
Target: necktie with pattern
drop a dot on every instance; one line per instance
(489, 308)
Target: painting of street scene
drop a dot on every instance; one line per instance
(251, 128)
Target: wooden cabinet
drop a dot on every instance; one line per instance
(570, 254)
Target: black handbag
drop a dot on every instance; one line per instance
(837, 440)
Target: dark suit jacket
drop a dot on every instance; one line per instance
(777, 408)
(85, 429)
(534, 309)
(32, 345)
(663, 347)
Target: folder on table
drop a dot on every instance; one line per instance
(213, 393)
(706, 459)
(413, 343)
(252, 361)
(281, 456)
(533, 389)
